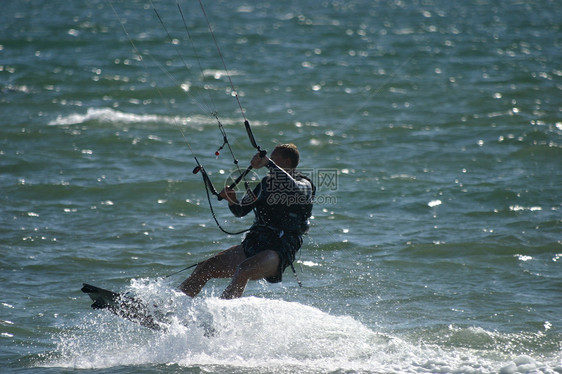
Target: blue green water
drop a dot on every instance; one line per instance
(432, 128)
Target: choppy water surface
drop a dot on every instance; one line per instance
(432, 129)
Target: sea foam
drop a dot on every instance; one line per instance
(256, 334)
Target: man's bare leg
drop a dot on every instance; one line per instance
(262, 265)
(222, 265)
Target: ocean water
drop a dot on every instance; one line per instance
(432, 128)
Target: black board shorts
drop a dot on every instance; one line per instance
(286, 245)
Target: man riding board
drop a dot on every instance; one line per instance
(282, 204)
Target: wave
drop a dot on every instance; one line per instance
(108, 115)
(258, 335)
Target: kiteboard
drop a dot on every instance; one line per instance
(125, 306)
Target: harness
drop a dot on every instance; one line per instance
(295, 212)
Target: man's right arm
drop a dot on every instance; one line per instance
(240, 209)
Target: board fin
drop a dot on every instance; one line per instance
(124, 306)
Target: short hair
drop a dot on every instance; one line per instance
(289, 151)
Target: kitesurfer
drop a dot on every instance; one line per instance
(282, 204)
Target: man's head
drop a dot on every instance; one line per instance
(286, 156)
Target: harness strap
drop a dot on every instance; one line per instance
(295, 274)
